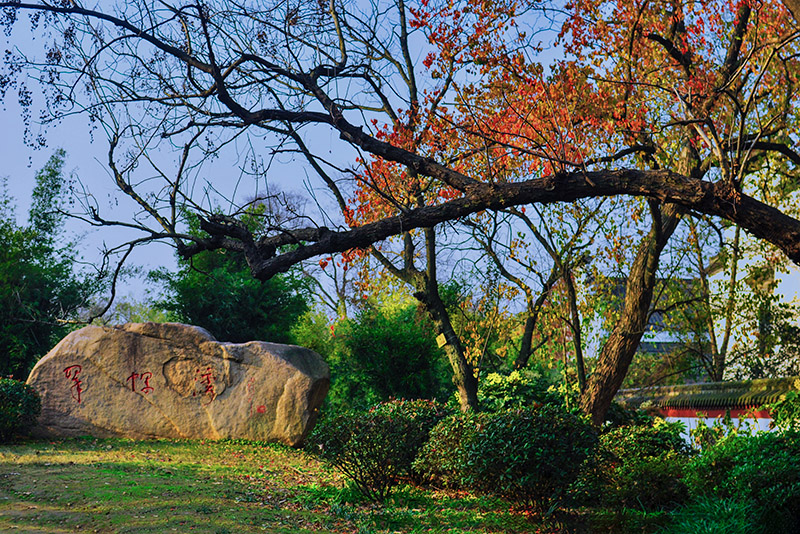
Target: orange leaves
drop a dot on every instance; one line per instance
(542, 124)
(463, 33)
(679, 46)
(660, 66)
(478, 134)
(635, 73)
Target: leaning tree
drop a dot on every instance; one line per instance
(410, 116)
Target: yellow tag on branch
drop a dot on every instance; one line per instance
(441, 340)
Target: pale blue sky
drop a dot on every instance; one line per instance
(85, 159)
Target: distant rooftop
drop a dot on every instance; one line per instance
(739, 394)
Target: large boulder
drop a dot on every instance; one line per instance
(148, 380)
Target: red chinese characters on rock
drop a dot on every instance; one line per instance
(72, 373)
(206, 379)
(144, 382)
(249, 389)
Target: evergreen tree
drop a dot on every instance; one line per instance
(39, 286)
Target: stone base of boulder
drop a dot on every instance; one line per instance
(168, 380)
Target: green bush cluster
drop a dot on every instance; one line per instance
(518, 389)
(763, 469)
(418, 418)
(529, 456)
(738, 483)
(636, 467)
(543, 456)
(364, 447)
(443, 459)
(375, 448)
(785, 412)
(383, 352)
(19, 407)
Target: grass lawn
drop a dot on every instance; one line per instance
(114, 485)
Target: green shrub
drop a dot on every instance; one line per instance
(375, 448)
(785, 412)
(529, 456)
(443, 459)
(384, 352)
(652, 483)
(645, 441)
(364, 447)
(763, 469)
(706, 435)
(518, 389)
(19, 407)
(621, 415)
(709, 515)
(417, 418)
(639, 467)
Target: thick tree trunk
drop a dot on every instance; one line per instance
(463, 374)
(619, 349)
(427, 286)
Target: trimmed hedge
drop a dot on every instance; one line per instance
(529, 456)
(443, 460)
(418, 418)
(375, 448)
